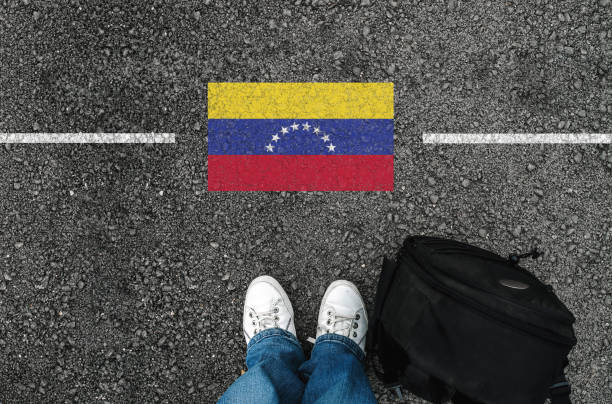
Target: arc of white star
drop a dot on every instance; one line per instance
(284, 130)
(270, 148)
(325, 138)
(306, 127)
(316, 131)
(331, 147)
(275, 138)
(295, 126)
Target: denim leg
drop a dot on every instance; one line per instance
(335, 373)
(273, 358)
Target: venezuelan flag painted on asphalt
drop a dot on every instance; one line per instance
(300, 136)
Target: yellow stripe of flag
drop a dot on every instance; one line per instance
(300, 100)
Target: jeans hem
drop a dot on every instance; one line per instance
(273, 333)
(342, 340)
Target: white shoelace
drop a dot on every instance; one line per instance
(266, 319)
(341, 324)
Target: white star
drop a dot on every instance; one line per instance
(275, 138)
(270, 148)
(316, 130)
(331, 147)
(305, 126)
(325, 138)
(284, 130)
(295, 126)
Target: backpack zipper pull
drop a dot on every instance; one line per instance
(515, 258)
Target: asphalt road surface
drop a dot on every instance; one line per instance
(122, 277)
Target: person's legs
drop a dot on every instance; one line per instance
(273, 351)
(273, 358)
(335, 372)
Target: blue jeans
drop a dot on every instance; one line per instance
(278, 372)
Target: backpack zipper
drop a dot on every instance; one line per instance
(466, 251)
(477, 251)
(462, 248)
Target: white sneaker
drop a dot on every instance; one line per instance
(343, 312)
(266, 305)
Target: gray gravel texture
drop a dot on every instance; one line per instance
(122, 278)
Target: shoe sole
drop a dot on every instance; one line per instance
(278, 287)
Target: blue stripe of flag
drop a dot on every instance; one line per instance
(251, 136)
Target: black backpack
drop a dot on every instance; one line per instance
(453, 322)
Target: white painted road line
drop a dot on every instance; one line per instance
(87, 138)
(517, 138)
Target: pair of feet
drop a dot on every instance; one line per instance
(342, 310)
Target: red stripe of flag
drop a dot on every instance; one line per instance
(300, 173)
